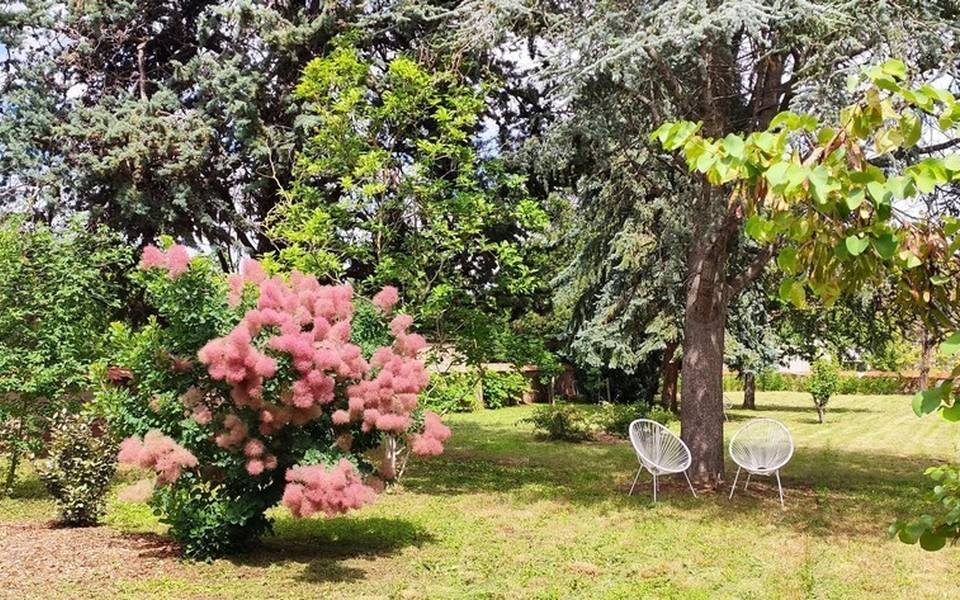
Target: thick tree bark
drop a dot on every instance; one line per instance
(701, 396)
(749, 391)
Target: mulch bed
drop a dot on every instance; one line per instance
(39, 560)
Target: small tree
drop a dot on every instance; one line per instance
(824, 382)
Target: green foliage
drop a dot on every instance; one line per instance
(452, 392)
(615, 419)
(77, 471)
(661, 415)
(824, 381)
(933, 531)
(503, 388)
(209, 521)
(179, 124)
(390, 189)
(58, 291)
(560, 422)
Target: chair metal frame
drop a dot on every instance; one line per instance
(660, 452)
(763, 460)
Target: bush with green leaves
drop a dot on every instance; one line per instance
(503, 388)
(824, 383)
(80, 463)
(615, 419)
(661, 415)
(563, 422)
(59, 288)
(452, 393)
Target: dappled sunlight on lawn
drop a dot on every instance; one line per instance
(504, 513)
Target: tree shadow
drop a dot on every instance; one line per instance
(829, 491)
(747, 413)
(321, 545)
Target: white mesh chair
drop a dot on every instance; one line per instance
(761, 447)
(659, 451)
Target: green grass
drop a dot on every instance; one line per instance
(503, 514)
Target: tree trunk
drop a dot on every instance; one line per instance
(701, 396)
(749, 391)
(820, 411)
(669, 370)
(11, 477)
(670, 377)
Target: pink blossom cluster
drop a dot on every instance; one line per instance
(175, 260)
(196, 408)
(385, 400)
(386, 298)
(314, 488)
(234, 359)
(158, 452)
(259, 459)
(430, 441)
(234, 432)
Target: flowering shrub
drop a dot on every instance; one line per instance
(252, 392)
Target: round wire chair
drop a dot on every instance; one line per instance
(761, 447)
(659, 451)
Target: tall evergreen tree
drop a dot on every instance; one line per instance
(619, 69)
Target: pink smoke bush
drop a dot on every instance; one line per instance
(158, 452)
(290, 362)
(315, 488)
(175, 260)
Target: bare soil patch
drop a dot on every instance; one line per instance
(42, 560)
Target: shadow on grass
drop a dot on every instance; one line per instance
(322, 544)
(829, 491)
(737, 413)
(28, 487)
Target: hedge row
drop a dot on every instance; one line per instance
(850, 383)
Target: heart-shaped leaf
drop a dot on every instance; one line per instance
(856, 245)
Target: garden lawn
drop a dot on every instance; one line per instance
(505, 515)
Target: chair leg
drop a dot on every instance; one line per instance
(734, 486)
(654, 488)
(693, 491)
(748, 481)
(635, 479)
(780, 487)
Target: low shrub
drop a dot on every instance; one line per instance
(244, 391)
(81, 460)
(560, 422)
(503, 388)
(615, 419)
(452, 393)
(661, 415)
